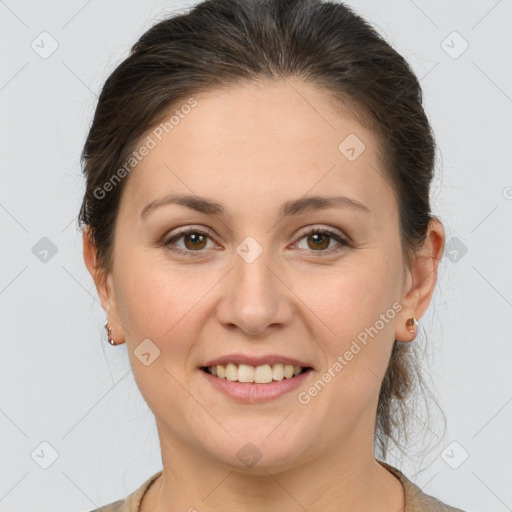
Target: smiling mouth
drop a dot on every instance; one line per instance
(263, 374)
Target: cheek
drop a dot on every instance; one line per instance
(164, 303)
(151, 298)
(357, 310)
(157, 305)
(354, 297)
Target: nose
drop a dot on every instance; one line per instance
(255, 298)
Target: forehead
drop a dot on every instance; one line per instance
(260, 141)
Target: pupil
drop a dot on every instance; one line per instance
(319, 235)
(196, 238)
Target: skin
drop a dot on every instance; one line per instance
(252, 148)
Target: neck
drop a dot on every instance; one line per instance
(343, 481)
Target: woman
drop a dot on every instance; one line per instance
(258, 227)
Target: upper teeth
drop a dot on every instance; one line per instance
(259, 374)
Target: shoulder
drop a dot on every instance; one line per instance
(132, 502)
(116, 506)
(415, 499)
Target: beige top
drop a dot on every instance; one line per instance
(415, 499)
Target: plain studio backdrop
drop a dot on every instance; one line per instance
(75, 431)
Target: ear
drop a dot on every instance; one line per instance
(104, 285)
(421, 280)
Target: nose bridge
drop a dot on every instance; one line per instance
(256, 298)
(252, 275)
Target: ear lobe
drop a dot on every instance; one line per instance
(421, 278)
(103, 284)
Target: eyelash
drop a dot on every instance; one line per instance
(314, 231)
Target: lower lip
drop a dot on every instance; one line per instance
(253, 393)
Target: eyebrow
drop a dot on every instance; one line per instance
(293, 207)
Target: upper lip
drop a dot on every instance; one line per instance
(256, 360)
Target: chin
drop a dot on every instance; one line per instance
(260, 452)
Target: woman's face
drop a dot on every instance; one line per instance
(249, 279)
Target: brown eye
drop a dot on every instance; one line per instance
(319, 240)
(194, 240)
(197, 241)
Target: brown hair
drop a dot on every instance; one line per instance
(219, 43)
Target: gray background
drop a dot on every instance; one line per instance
(62, 384)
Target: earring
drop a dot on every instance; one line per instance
(412, 323)
(109, 331)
